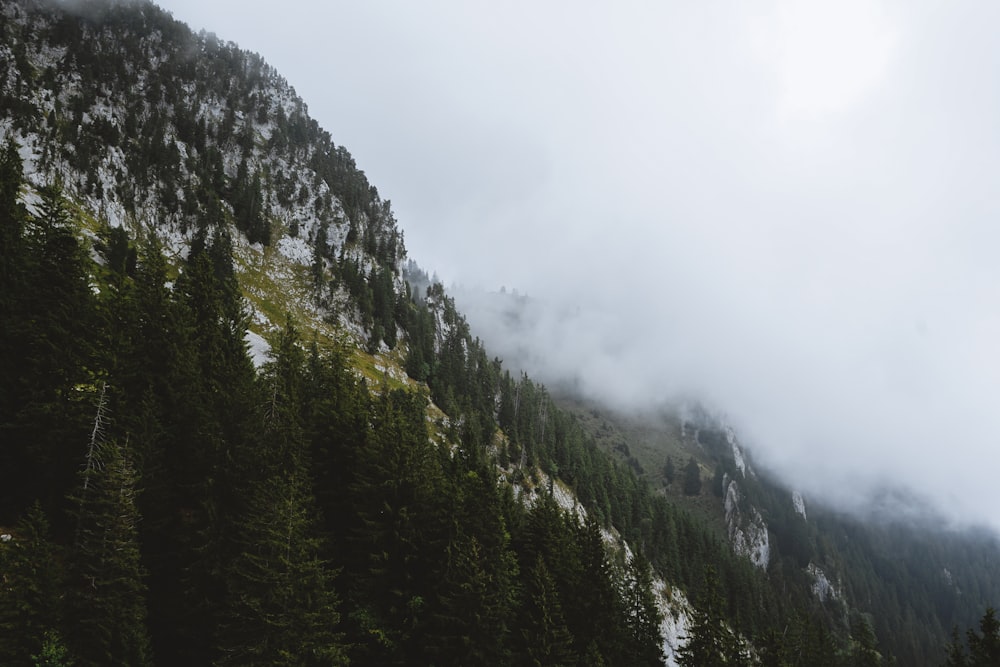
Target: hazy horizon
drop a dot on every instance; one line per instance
(785, 210)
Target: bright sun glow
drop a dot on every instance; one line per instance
(826, 55)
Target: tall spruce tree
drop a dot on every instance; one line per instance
(642, 616)
(400, 532)
(30, 589)
(105, 601)
(546, 639)
(280, 605)
(711, 642)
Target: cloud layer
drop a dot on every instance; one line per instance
(790, 213)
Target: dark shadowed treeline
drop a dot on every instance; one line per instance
(170, 504)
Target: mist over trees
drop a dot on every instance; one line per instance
(169, 502)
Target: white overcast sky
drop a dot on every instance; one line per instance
(787, 208)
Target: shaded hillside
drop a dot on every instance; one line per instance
(911, 575)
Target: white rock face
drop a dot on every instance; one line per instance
(260, 351)
(799, 503)
(741, 463)
(676, 624)
(747, 534)
(821, 588)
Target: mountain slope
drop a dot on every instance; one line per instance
(371, 485)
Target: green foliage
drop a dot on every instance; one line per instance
(711, 642)
(53, 653)
(983, 646)
(692, 478)
(105, 605)
(30, 589)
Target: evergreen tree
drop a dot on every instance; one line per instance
(13, 282)
(30, 589)
(984, 646)
(692, 478)
(398, 540)
(106, 610)
(864, 652)
(957, 656)
(51, 339)
(711, 643)
(545, 636)
(475, 604)
(641, 613)
(280, 605)
(53, 652)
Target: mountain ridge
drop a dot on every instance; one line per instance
(302, 219)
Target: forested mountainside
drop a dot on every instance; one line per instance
(233, 433)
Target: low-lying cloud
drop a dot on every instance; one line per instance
(788, 212)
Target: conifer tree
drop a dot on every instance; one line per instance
(476, 595)
(711, 643)
(641, 613)
(221, 453)
(669, 471)
(399, 536)
(692, 478)
(984, 646)
(14, 334)
(545, 637)
(956, 654)
(280, 606)
(45, 409)
(106, 608)
(30, 588)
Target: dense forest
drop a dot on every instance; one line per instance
(165, 500)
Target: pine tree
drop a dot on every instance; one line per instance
(14, 335)
(641, 613)
(53, 652)
(280, 607)
(546, 638)
(984, 646)
(957, 656)
(475, 601)
(30, 589)
(692, 478)
(106, 610)
(711, 643)
(864, 652)
(45, 386)
(220, 457)
(399, 536)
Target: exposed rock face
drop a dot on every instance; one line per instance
(799, 503)
(676, 623)
(822, 588)
(747, 529)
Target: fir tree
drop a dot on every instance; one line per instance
(30, 589)
(692, 478)
(546, 638)
(641, 613)
(711, 643)
(280, 604)
(984, 646)
(106, 609)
